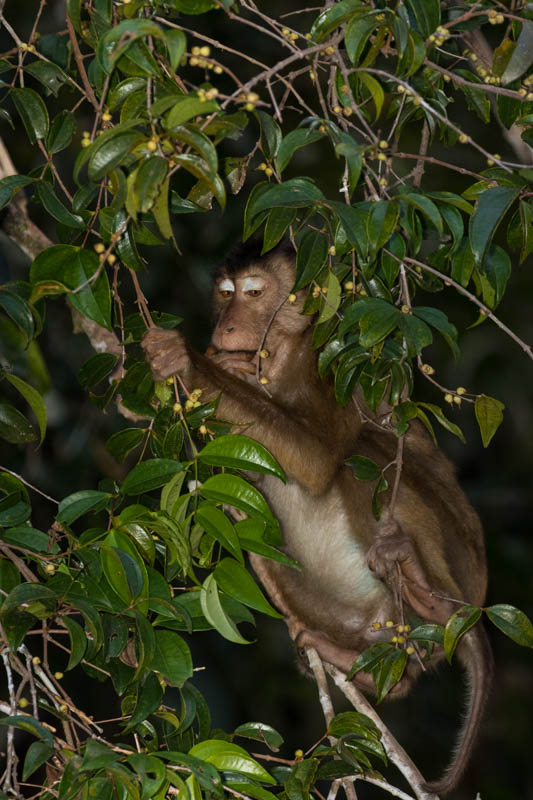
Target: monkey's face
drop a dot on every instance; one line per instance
(253, 305)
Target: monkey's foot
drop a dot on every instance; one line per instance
(394, 560)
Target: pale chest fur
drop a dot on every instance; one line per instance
(319, 533)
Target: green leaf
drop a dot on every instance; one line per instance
(513, 622)
(150, 475)
(36, 755)
(215, 614)
(19, 312)
(416, 333)
(34, 400)
(463, 263)
(33, 113)
(522, 56)
(331, 17)
(364, 469)
(61, 132)
(176, 44)
(311, 256)
(427, 207)
(229, 757)
(148, 701)
(235, 491)
(44, 192)
(277, 223)
(330, 303)
(186, 108)
(270, 139)
(354, 221)
(96, 369)
(109, 152)
(14, 427)
(444, 421)
(10, 185)
(377, 323)
(78, 641)
(148, 179)
(260, 733)
(120, 38)
(391, 670)
(161, 212)
(358, 31)
(458, 624)
(292, 142)
(295, 193)
(76, 505)
(30, 725)
(172, 657)
(234, 579)
(202, 170)
(438, 320)
(489, 415)
(240, 452)
(382, 222)
(376, 91)
(491, 207)
(217, 525)
(47, 73)
(426, 14)
(122, 572)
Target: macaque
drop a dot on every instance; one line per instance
(355, 570)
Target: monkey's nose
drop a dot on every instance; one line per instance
(229, 330)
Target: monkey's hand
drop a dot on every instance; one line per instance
(166, 352)
(238, 362)
(395, 561)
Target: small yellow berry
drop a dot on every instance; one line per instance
(348, 286)
(252, 97)
(298, 753)
(58, 675)
(348, 111)
(188, 405)
(196, 404)
(151, 145)
(269, 172)
(376, 626)
(383, 144)
(85, 142)
(264, 354)
(193, 62)
(195, 51)
(410, 650)
(463, 138)
(405, 309)
(332, 250)
(400, 628)
(292, 298)
(126, 2)
(176, 407)
(457, 400)
(529, 96)
(249, 106)
(285, 32)
(63, 708)
(382, 157)
(23, 702)
(394, 639)
(311, 74)
(330, 50)
(202, 429)
(205, 50)
(448, 398)
(293, 37)
(446, 78)
(417, 101)
(170, 381)
(401, 639)
(522, 92)
(36, 661)
(427, 369)
(106, 116)
(263, 380)
(218, 70)
(262, 166)
(499, 19)
(389, 624)
(50, 569)
(337, 109)
(307, 36)
(401, 89)
(461, 390)
(99, 247)
(383, 182)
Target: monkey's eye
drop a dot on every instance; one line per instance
(226, 293)
(254, 292)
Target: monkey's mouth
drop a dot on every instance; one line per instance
(244, 355)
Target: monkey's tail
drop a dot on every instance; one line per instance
(475, 654)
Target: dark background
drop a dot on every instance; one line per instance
(261, 682)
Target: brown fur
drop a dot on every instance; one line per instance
(349, 561)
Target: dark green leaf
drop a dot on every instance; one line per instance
(172, 657)
(79, 503)
(234, 579)
(292, 142)
(47, 196)
(491, 207)
(149, 699)
(296, 193)
(217, 525)
(10, 185)
(443, 420)
(186, 108)
(121, 443)
(19, 312)
(96, 369)
(148, 180)
(261, 733)
(215, 614)
(513, 622)
(150, 475)
(426, 14)
(310, 258)
(458, 624)
(33, 398)
(277, 223)
(61, 132)
(364, 468)
(438, 320)
(331, 17)
(270, 134)
(235, 491)
(78, 641)
(47, 73)
(227, 756)
(37, 754)
(30, 725)
(33, 113)
(108, 152)
(377, 323)
(240, 452)
(176, 44)
(14, 427)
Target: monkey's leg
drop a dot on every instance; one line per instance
(395, 561)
